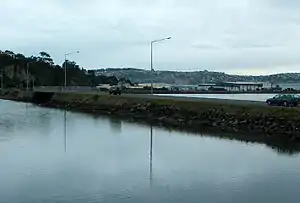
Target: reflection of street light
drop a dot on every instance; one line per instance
(151, 147)
(65, 130)
(66, 54)
(151, 57)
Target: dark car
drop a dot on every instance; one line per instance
(115, 90)
(284, 100)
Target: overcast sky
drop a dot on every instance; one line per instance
(233, 36)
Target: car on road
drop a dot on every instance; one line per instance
(115, 90)
(284, 100)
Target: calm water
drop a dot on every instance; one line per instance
(246, 97)
(55, 156)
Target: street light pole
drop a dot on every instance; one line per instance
(151, 65)
(151, 58)
(65, 71)
(66, 54)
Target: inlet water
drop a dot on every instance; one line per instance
(49, 155)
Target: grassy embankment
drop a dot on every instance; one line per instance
(191, 114)
(259, 122)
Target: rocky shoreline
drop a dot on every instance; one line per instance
(259, 122)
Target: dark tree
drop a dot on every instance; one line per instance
(44, 72)
(44, 54)
(46, 58)
(9, 52)
(20, 56)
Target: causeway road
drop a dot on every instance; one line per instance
(149, 96)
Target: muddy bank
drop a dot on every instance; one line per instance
(16, 95)
(260, 122)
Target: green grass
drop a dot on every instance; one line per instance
(199, 106)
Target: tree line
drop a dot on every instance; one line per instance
(42, 71)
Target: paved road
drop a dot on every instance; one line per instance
(147, 96)
(194, 99)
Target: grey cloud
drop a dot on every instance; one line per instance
(216, 35)
(206, 46)
(286, 4)
(254, 45)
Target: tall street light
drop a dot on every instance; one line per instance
(151, 57)
(66, 54)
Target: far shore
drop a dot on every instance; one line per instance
(84, 89)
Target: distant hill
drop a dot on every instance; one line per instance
(196, 77)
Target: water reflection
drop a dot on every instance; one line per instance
(115, 125)
(285, 148)
(27, 117)
(281, 146)
(150, 158)
(65, 131)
